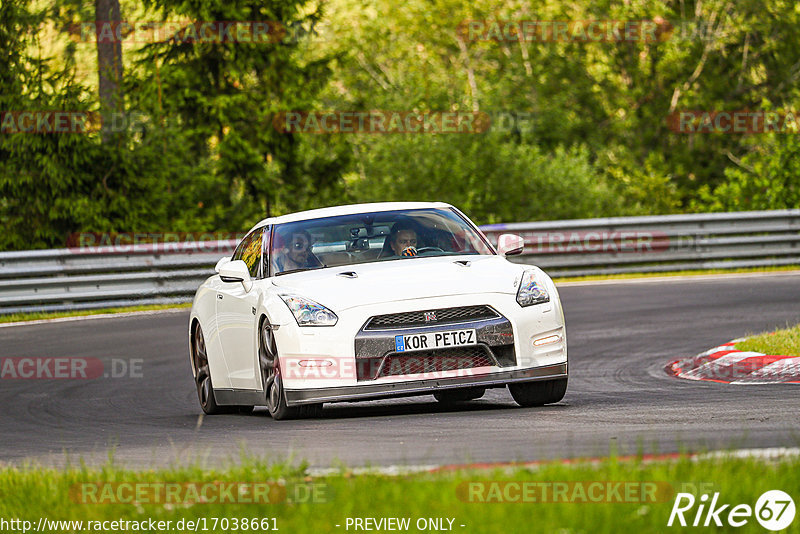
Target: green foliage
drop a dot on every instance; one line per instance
(646, 188)
(491, 179)
(767, 178)
(196, 150)
(613, 98)
(45, 189)
(202, 152)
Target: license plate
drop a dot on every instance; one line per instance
(435, 340)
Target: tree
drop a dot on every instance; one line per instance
(46, 187)
(225, 93)
(109, 61)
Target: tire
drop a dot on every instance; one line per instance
(276, 401)
(451, 396)
(205, 388)
(538, 393)
(280, 411)
(273, 383)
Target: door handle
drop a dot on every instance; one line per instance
(219, 296)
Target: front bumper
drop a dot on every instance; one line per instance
(340, 350)
(374, 391)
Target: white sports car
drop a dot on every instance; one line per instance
(373, 301)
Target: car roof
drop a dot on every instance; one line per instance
(348, 210)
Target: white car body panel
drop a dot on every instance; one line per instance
(235, 323)
(397, 281)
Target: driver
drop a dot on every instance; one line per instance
(403, 239)
(296, 254)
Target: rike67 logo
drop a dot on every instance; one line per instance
(774, 510)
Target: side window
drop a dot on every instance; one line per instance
(249, 251)
(237, 254)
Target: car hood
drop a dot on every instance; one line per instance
(404, 279)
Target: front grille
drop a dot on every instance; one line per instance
(418, 318)
(426, 361)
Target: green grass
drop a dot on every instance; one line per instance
(628, 276)
(320, 503)
(35, 316)
(784, 342)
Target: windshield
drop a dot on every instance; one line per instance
(368, 237)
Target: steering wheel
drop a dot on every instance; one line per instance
(429, 249)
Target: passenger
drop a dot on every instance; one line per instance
(296, 254)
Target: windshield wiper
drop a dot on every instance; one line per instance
(290, 271)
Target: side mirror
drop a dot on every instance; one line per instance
(236, 271)
(222, 261)
(510, 244)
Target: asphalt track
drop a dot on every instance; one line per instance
(619, 398)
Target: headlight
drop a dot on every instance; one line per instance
(309, 313)
(531, 291)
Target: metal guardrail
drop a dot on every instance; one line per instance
(654, 244)
(107, 276)
(102, 277)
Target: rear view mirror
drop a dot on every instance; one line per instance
(236, 271)
(510, 244)
(222, 261)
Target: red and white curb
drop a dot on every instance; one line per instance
(727, 365)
